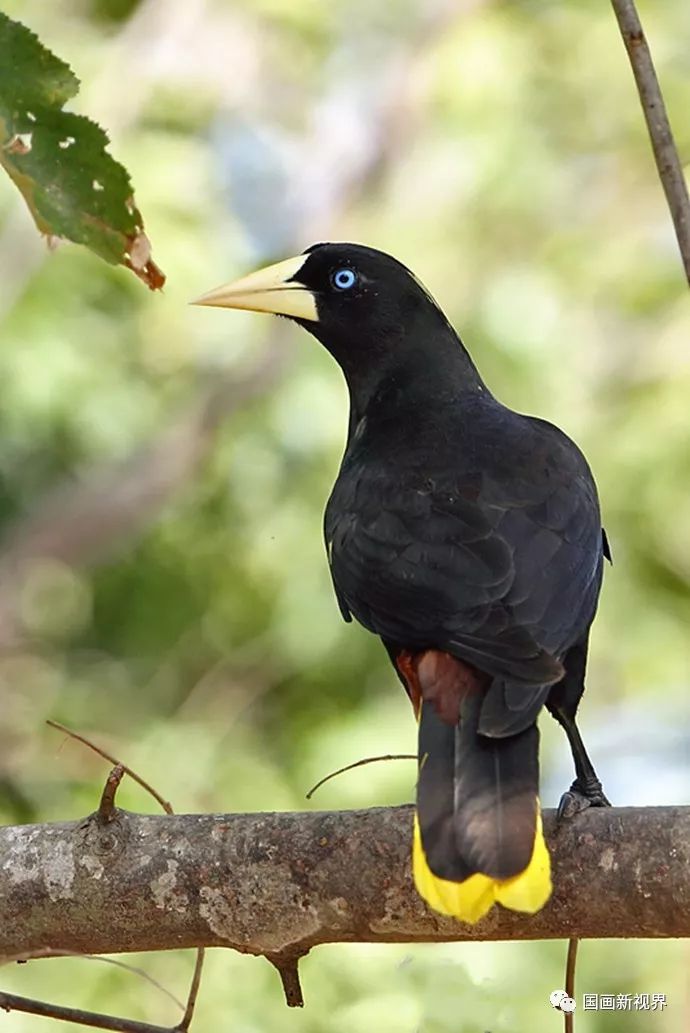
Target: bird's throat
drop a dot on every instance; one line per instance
(409, 381)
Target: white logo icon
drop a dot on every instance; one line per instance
(559, 999)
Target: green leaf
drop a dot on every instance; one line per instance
(59, 161)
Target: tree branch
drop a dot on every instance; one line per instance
(664, 147)
(10, 1002)
(278, 884)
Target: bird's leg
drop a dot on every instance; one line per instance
(586, 790)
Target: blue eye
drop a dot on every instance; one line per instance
(343, 279)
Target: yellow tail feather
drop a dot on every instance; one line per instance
(471, 899)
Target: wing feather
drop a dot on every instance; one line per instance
(493, 558)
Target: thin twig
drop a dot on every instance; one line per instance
(106, 808)
(54, 952)
(359, 764)
(664, 147)
(11, 1002)
(113, 760)
(183, 1025)
(134, 970)
(571, 961)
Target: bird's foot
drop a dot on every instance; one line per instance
(579, 797)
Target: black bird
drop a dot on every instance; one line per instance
(468, 538)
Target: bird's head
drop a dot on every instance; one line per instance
(364, 306)
(372, 314)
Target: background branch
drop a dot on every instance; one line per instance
(660, 133)
(11, 1002)
(278, 884)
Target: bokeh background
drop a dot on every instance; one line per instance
(163, 469)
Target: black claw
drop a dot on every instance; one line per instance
(569, 805)
(579, 797)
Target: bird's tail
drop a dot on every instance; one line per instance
(478, 834)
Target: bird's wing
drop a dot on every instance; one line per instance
(501, 569)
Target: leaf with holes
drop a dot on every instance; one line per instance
(59, 160)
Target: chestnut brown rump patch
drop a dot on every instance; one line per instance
(441, 679)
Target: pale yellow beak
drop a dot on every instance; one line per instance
(269, 290)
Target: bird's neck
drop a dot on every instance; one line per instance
(448, 376)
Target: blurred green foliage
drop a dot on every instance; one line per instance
(496, 148)
(58, 160)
